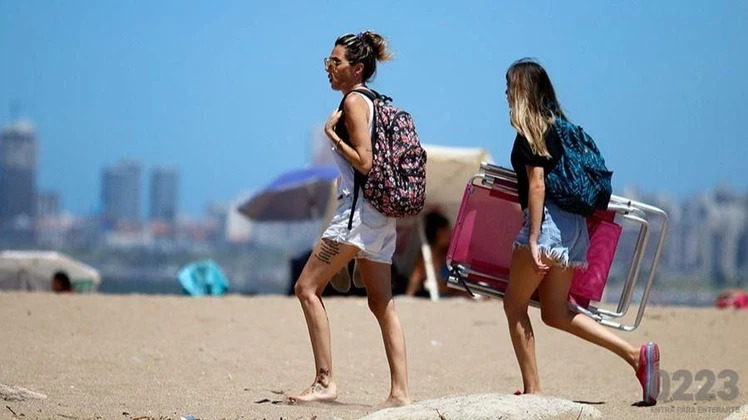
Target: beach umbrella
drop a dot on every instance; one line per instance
(448, 170)
(203, 278)
(33, 270)
(302, 194)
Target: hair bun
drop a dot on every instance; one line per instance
(378, 43)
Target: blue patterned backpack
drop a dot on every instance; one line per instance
(580, 182)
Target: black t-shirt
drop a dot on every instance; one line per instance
(522, 156)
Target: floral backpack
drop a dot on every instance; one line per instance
(396, 183)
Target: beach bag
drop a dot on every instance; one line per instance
(580, 182)
(396, 183)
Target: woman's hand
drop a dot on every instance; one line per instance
(331, 122)
(537, 262)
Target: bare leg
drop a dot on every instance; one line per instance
(523, 280)
(377, 278)
(554, 293)
(327, 258)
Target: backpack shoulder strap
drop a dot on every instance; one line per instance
(359, 179)
(373, 95)
(368, 93)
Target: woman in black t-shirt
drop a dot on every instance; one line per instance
(552, 241)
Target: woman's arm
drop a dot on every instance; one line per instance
(416, 277)
(356, 112)
(535, 203)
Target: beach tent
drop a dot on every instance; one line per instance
(203, 278)
(448, 170)
(33, 270)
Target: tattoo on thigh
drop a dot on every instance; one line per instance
(328, 250)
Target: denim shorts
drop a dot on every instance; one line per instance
(372, 232)
(563, 236)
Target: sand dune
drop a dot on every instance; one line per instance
(489, 406)
(128, 357)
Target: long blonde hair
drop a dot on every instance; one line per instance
(532, 102)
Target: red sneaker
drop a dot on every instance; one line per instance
(648, 372)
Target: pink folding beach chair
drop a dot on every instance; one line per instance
(490, 218)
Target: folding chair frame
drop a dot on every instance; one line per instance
(642, 214)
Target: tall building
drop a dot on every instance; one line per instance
(164, 194)
(17, 174)
(120, 194)
(47, 205)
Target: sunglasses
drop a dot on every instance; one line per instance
(332, 62)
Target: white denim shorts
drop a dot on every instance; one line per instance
(372, 232)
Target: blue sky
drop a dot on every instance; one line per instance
(230, 91)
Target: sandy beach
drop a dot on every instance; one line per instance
(162, 357)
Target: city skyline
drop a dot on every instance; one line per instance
(145, 194)
(121, 200)
(707, 242)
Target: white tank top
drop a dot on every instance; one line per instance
(345, 180)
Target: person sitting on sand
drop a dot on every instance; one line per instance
(438, 235)
(552, 240)
(61, 283)
(361, 232)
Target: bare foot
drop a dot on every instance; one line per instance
(394, 402)
(316, 393)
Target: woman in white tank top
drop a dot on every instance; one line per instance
(361, 232)
(345, 180)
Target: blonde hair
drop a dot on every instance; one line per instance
(532, 102)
